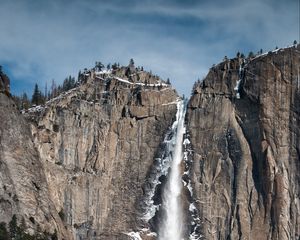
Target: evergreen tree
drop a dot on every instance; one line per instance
(251, 54)
(3, 232)
(72, 82)
(37, 95)
(65, 84)
(168, 81)
(114, 66)
(131, 62)
(295, 42)
(68, 83)
(99, 66)
(79, 76)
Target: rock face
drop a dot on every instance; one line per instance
(97, 143)
(245, 171)
(23, 186)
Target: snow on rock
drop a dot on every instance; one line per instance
(143, 232)
(34, 109)
(170, 103)
(105, 71)
(186, 141)
(134, 235)
(122, 80)
(192, 207)
(189, 186)
(158, 84)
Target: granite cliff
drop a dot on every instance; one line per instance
(97, 143)
(24, 191)
(245, 138)
(89, 164)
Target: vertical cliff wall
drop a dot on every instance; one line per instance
(245, 171)
(23, 186)
(97, 143)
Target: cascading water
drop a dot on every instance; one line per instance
(167, 214)
(171, 227)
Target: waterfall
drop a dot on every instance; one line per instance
(172, 222)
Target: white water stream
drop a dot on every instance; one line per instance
(171, 227)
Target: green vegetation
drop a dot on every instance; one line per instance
(37, 97)
(3, 231)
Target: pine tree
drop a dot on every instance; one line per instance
(79, 76)
(99, 66)
(131, 62)
(37, 96)
(251, 54)
(3, 232)
(114, 66)
(72, 82)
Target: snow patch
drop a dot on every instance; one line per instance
(134, 235)
(170, 103)
(105, 71)
(186, 141)
(34, 109)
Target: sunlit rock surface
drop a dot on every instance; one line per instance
(246, 147)
(97, 143)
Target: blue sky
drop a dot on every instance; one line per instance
(43, 40)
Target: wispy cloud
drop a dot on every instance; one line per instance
(41, 40)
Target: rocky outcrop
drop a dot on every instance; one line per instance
(97, 143)
(245, 172)
(23, 186)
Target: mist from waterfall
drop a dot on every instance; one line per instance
(172, 222)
